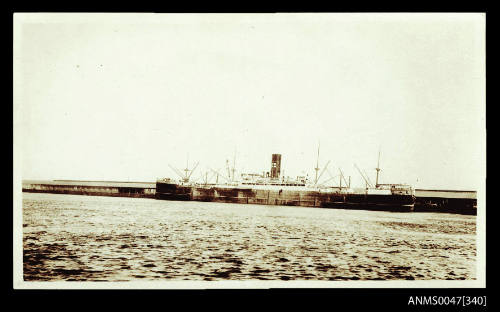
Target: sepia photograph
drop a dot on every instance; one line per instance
(263, 150)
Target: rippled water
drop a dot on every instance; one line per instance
(72, 237)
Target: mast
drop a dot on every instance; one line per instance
(378, 169)
(187, 172)
(317, 167)
(234, 164)
(187, 167)
(228, 170)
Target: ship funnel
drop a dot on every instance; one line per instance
(275, 166)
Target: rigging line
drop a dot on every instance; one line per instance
(323, 170)
(193, 170)
(177, 172)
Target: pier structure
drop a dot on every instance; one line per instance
(450, 201)
(446, 201)
(93, 188)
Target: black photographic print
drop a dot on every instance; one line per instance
(264, 150)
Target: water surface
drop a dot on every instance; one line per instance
(74, 237)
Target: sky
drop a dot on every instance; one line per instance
(123, 96)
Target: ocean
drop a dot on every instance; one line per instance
(94, 238)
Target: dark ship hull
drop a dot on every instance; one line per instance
(305, 197)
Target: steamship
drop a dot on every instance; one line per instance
(270, 188)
